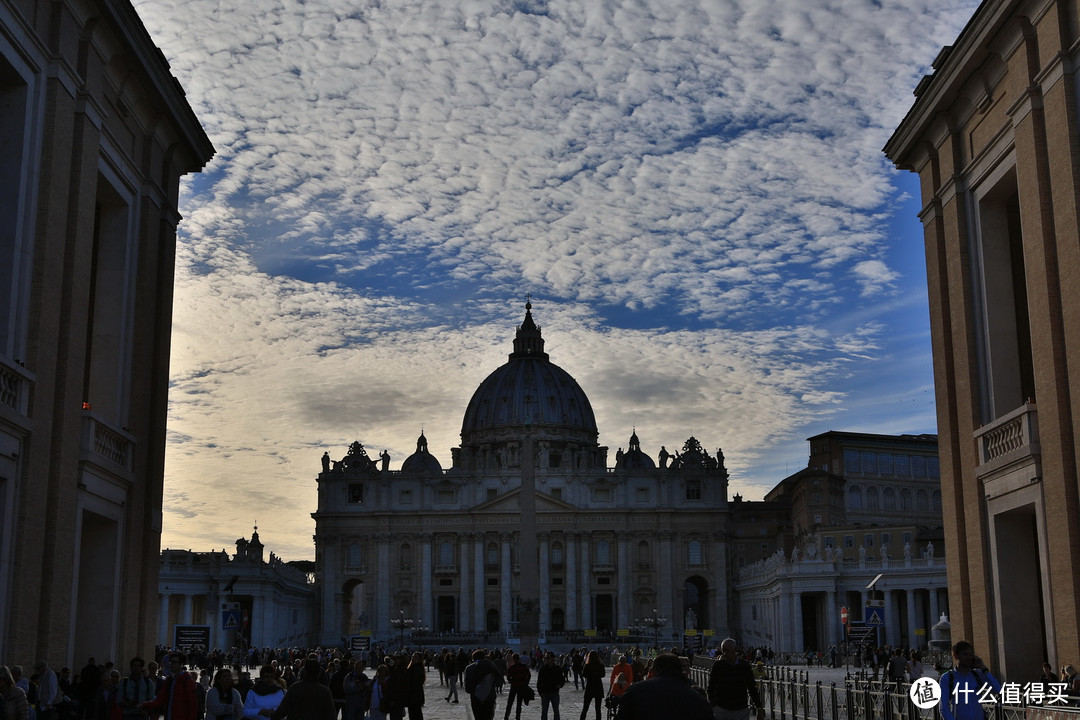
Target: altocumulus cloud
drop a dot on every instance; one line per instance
(694, 187)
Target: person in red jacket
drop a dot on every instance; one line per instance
(178, 698)
(518, 675)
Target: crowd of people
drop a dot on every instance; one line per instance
(383, 685)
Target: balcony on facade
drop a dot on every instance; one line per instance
(15, 383)
(1008, 451)
(105, 446)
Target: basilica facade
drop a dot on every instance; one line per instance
(613, 546)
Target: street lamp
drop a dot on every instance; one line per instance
(654, 621)
(401, 623)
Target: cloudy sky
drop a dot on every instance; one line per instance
(693, 193)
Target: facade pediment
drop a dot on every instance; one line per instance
(511, 502)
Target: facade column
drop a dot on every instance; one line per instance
(259, 634)
(863, 597)
(425, 580)
(892, 619)
(479, 596)
(463, 621)
(505, 606)
(381, 621)
(585, 593)
(665, 586)
(545, 584)
(719, 590)
(571, 583)
(625, 598)
(331, 630)
(163, 622)
(935, 613)
(784, 642)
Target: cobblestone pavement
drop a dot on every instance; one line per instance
(436, 708)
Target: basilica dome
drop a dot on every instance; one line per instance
(529, 391)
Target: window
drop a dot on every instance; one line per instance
(693, 489)
(356, 493)
(492, 555)
(849, 541)
(869, 463)
(828, 541)
(922, 504)
(603, 580)
(694, 553)
(445, 496)
(556, 554)
(886, 538)
(872, 498)
(642, 494)
(817, 519)
(889, 498)
(603, 553)
(355, 557)
(602, 495)
(903, 465)
(905, 499)
(556, 581)
(918, 466)
(405, 557)
(868, 541)
(815, 498)
(493, 582)
(907, 538)
(885, 463)
(405, 497)
(446, 554)
(446, 582)
(854, 497)
(643, 554)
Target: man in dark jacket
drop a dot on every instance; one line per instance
(480, 678)
(730, 682)
(307, 699)
(549, 678)
(668, 695)
(518, 675)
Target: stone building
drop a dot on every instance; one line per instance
(612, 545)
(993, 137)
(275, 600)
(95, 134)
(866, 505)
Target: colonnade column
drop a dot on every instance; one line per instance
(783, 633)
(796, 622)
(545, 583)
(625, 593)
(912, 620)
(425, 579)
(185, 611)
(934, 612)
(463, 621)
(479, 598)
(586, 585)
(506, 607)
(719, 585)
(163, 622)
(832, 619)
(571, 582)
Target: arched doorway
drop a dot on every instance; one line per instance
(354, 614)
(696, 604)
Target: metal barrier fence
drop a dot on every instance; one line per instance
(791, 696)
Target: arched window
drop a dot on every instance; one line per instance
(355, 557)
(889, 499)
(603, 553)
(872, 498)
(643, 554)
(935, 501)
(694, 553)
(405, 557)
(921, 502)
(446, 554)
(854, 497)
(556, 554)
(492, 555)
(905, 499)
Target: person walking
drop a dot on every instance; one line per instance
(414, 700)
(307, 699)
(480, 678)
(731, 681)
(223, 701)
(549, 679)
(966, 688)
(518, 676)
(178, 699)
(593, 674)
(669, 694)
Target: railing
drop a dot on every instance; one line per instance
(106, 443)
(14, 388)
(789, 695)
(1016, 431)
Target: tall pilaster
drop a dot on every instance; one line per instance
(506, 598)
(381, 621)
(666, 588)
(624, 575)
(912, 619)
(426, 541)
(572, 583)
(479, 598)
(585, 593)
(465, 573)
(545, 583)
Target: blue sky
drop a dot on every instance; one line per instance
(693, 193)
